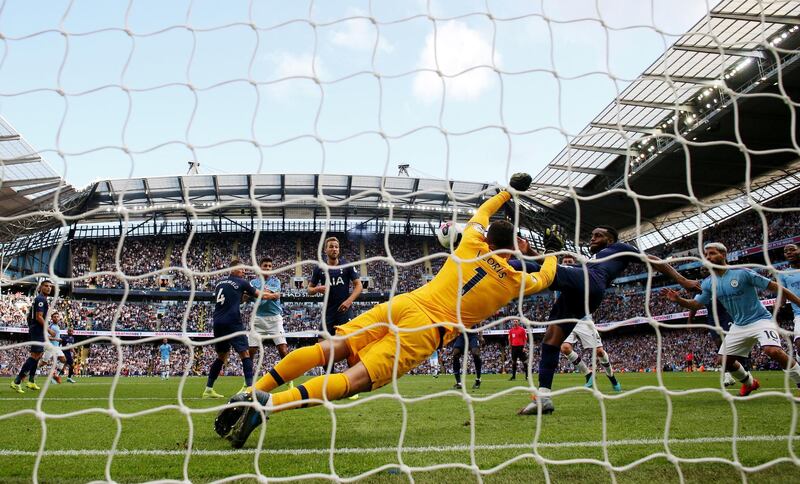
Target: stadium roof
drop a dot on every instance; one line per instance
(27, 181)
(268, 196)
(293, 196)
(725, 80)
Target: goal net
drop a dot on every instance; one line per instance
(673, 122)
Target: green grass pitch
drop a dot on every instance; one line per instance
(153, 442)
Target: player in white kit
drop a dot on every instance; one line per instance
(53, 352)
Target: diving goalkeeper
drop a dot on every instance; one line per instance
(474, 287)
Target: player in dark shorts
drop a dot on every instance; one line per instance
(474, 350)
(227, 320)
(67, 341)
(611, 258)
(338, 309)
(37, 325)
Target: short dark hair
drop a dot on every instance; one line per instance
(501, 235)
(235, 262)
(611, 230)
(265, 259)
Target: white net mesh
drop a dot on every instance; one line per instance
(458, 90)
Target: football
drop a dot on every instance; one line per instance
(449, 233)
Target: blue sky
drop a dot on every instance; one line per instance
(563, 66)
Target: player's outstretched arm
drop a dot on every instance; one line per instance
(519, 182)
(670, 272)
(541, 280)
(786, 294)
(675, 297)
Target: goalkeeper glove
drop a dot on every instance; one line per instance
(520, 182)
(553, 240)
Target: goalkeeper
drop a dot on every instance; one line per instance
(474, 288)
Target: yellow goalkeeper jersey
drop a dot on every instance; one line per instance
(474, 282)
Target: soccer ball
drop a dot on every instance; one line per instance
(449, 232)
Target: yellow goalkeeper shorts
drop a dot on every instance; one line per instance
(372, 342)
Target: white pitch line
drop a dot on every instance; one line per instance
(383, 450)
(68, 399)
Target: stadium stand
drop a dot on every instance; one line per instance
(95, 311)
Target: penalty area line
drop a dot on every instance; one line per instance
(382, 450)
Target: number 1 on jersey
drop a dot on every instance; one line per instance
(474, 280)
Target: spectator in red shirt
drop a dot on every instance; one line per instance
(518, 338)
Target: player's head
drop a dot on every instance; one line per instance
(55, 317)
(265, 264)
(501, 235)
(235, 269)
(716, 253)
(70, 331)
(569, 259)
(331, 247)
(602, 237)
(791, 253)
(515, 322)
(164, 341)
(46, 287)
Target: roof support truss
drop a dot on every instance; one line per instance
(721, 50)
(627, 127)
(653, 76)
(21, 160)
(770, 19)
(582, 169)
(647, 104)
(29, 181)
(603, 149)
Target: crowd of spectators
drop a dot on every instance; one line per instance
(632, 351)
(747, 230)
(293, 254)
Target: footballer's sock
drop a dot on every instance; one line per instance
(575, 359)
(32, 370)
(478, 364)
(26, 368)
(247, 369)
(513, 367)
(213, 372)
(293, 365)
(338, 386)
(606, 364)
(548, 365)
(70, 371)
(794, 373)
(457, 368)
(742, 375)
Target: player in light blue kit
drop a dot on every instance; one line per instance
(166, 350)
(737, 290)
(267, 322)
(791, 280)
(434, 361)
